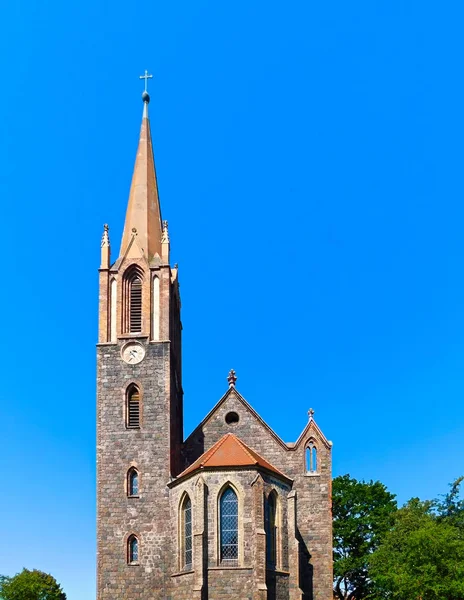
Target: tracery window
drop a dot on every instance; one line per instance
(228, 519)
(133, 407)
(132, 550)
(311, 457)
(133, 482)
(271, 523)
(186, 541)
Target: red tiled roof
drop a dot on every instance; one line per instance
(230, 451)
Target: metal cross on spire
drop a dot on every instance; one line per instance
(146, 77)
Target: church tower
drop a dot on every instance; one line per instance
(139, 393)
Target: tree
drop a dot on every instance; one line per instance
(363, 513)
(31, 585)
(451, 508)
(421, 558)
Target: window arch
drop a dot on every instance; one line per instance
(133, 300)
(186, 542)
(272, 530)
(132, 550)
(228, 526)
(311, 457)
(133, 482)
(133, 407)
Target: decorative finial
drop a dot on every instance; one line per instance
(311, 413)
(105, 237)
(165, 233)
(232, 378)
(145, 95)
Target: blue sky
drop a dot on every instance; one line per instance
(309, 160)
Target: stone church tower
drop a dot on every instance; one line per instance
(232, 512)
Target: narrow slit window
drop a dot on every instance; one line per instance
(187, 534)
(271, 531)
(133, 483)
(228, 507)
(132, 550)
(133, 408)
(113, 312)
(155, 317)
(135, 305)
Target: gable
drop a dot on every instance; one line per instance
(250, 428)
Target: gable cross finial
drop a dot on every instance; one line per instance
(311, 413)
(232, 378)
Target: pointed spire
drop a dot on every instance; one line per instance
(143, 209)
(105, 248)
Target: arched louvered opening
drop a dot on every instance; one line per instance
(133, 482)
(133, 280)
(311, 457)
(228, 527)
(186, 544)
(136, 305)
(132, 550)
(133, 407)
(272, 532)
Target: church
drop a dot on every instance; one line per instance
(232, 511)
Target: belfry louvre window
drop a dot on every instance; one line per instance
(186, 544)
(132, 300)
(133, 407)
(228, 507)
(135, 305)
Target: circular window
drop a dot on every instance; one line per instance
(231, 418)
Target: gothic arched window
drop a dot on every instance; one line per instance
(133, 482)
(133, 407)
(186, 534)
(132, 550)
(311, 457)
(228, 526)
(272, 536)
(132, 299)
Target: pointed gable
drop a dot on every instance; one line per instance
(233, 393)
(230, 451)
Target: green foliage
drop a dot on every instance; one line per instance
(30, 585)
(363, 513)
(451, 508)
(422, 557)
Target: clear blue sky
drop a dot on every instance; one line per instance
(310, 159)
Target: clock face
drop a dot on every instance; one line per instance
(133, 353)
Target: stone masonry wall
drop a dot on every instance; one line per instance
(247, 579)
(147, 448)
(313, 491)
